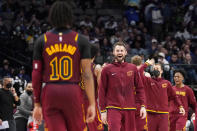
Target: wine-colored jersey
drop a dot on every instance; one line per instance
(158, 93)
(56, 59)
(117, 87)
(61, 58)
(187, 98)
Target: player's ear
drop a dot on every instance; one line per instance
(126, 52)
(113, 52)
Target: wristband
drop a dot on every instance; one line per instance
(103, 111)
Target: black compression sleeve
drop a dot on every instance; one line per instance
(38, 48)
(84, 47)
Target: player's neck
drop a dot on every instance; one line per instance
(119, 61)
(180, 85)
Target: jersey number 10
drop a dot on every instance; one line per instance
(61, 68)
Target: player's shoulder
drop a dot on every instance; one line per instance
(41, 37)
(73, 33)
(51, 31)
(108, 66)
(174, 87)
(167, 82)
(187, 88)
(132, 66)
(82, 39)
(24, 95)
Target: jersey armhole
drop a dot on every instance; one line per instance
(45, 38)
(76, 38)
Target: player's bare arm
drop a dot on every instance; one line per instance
(37, 79)
(89, 88)
(97, 72)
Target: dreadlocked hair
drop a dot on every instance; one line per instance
(61, 14)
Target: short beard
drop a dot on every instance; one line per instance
(119, 60)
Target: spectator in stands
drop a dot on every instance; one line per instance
(19, 85)
(173, 61)
(195, 56)
(124, 34)
(186, 49)
(5, 71)
(4, 33)
(157, 21)
(181, 55)
(191, 73)
(96, 32)
(170, 45)
(132, 14)
(152, 49)
(137, 50)
(131, 39)
(22, 74)
(110, 26)
(147, 37)
(105, 47)
(1, 84)
(86, 22)
(8, 98)
(115, 38)
(163, 61)
(24, 110)
(182, 33)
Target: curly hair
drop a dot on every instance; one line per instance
(61, 14)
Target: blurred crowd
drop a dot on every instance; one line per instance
(163, 29)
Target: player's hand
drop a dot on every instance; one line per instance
(104, 117)
(150, 61)
(143, 113)
(0, 122)
(91, 113)
(147, 74)
(182, 110)
(37, 114)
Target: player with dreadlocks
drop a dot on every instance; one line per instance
(59, 55)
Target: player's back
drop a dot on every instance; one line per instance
(61, 57)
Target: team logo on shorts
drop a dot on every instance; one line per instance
(164, 85)
(129, 73)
